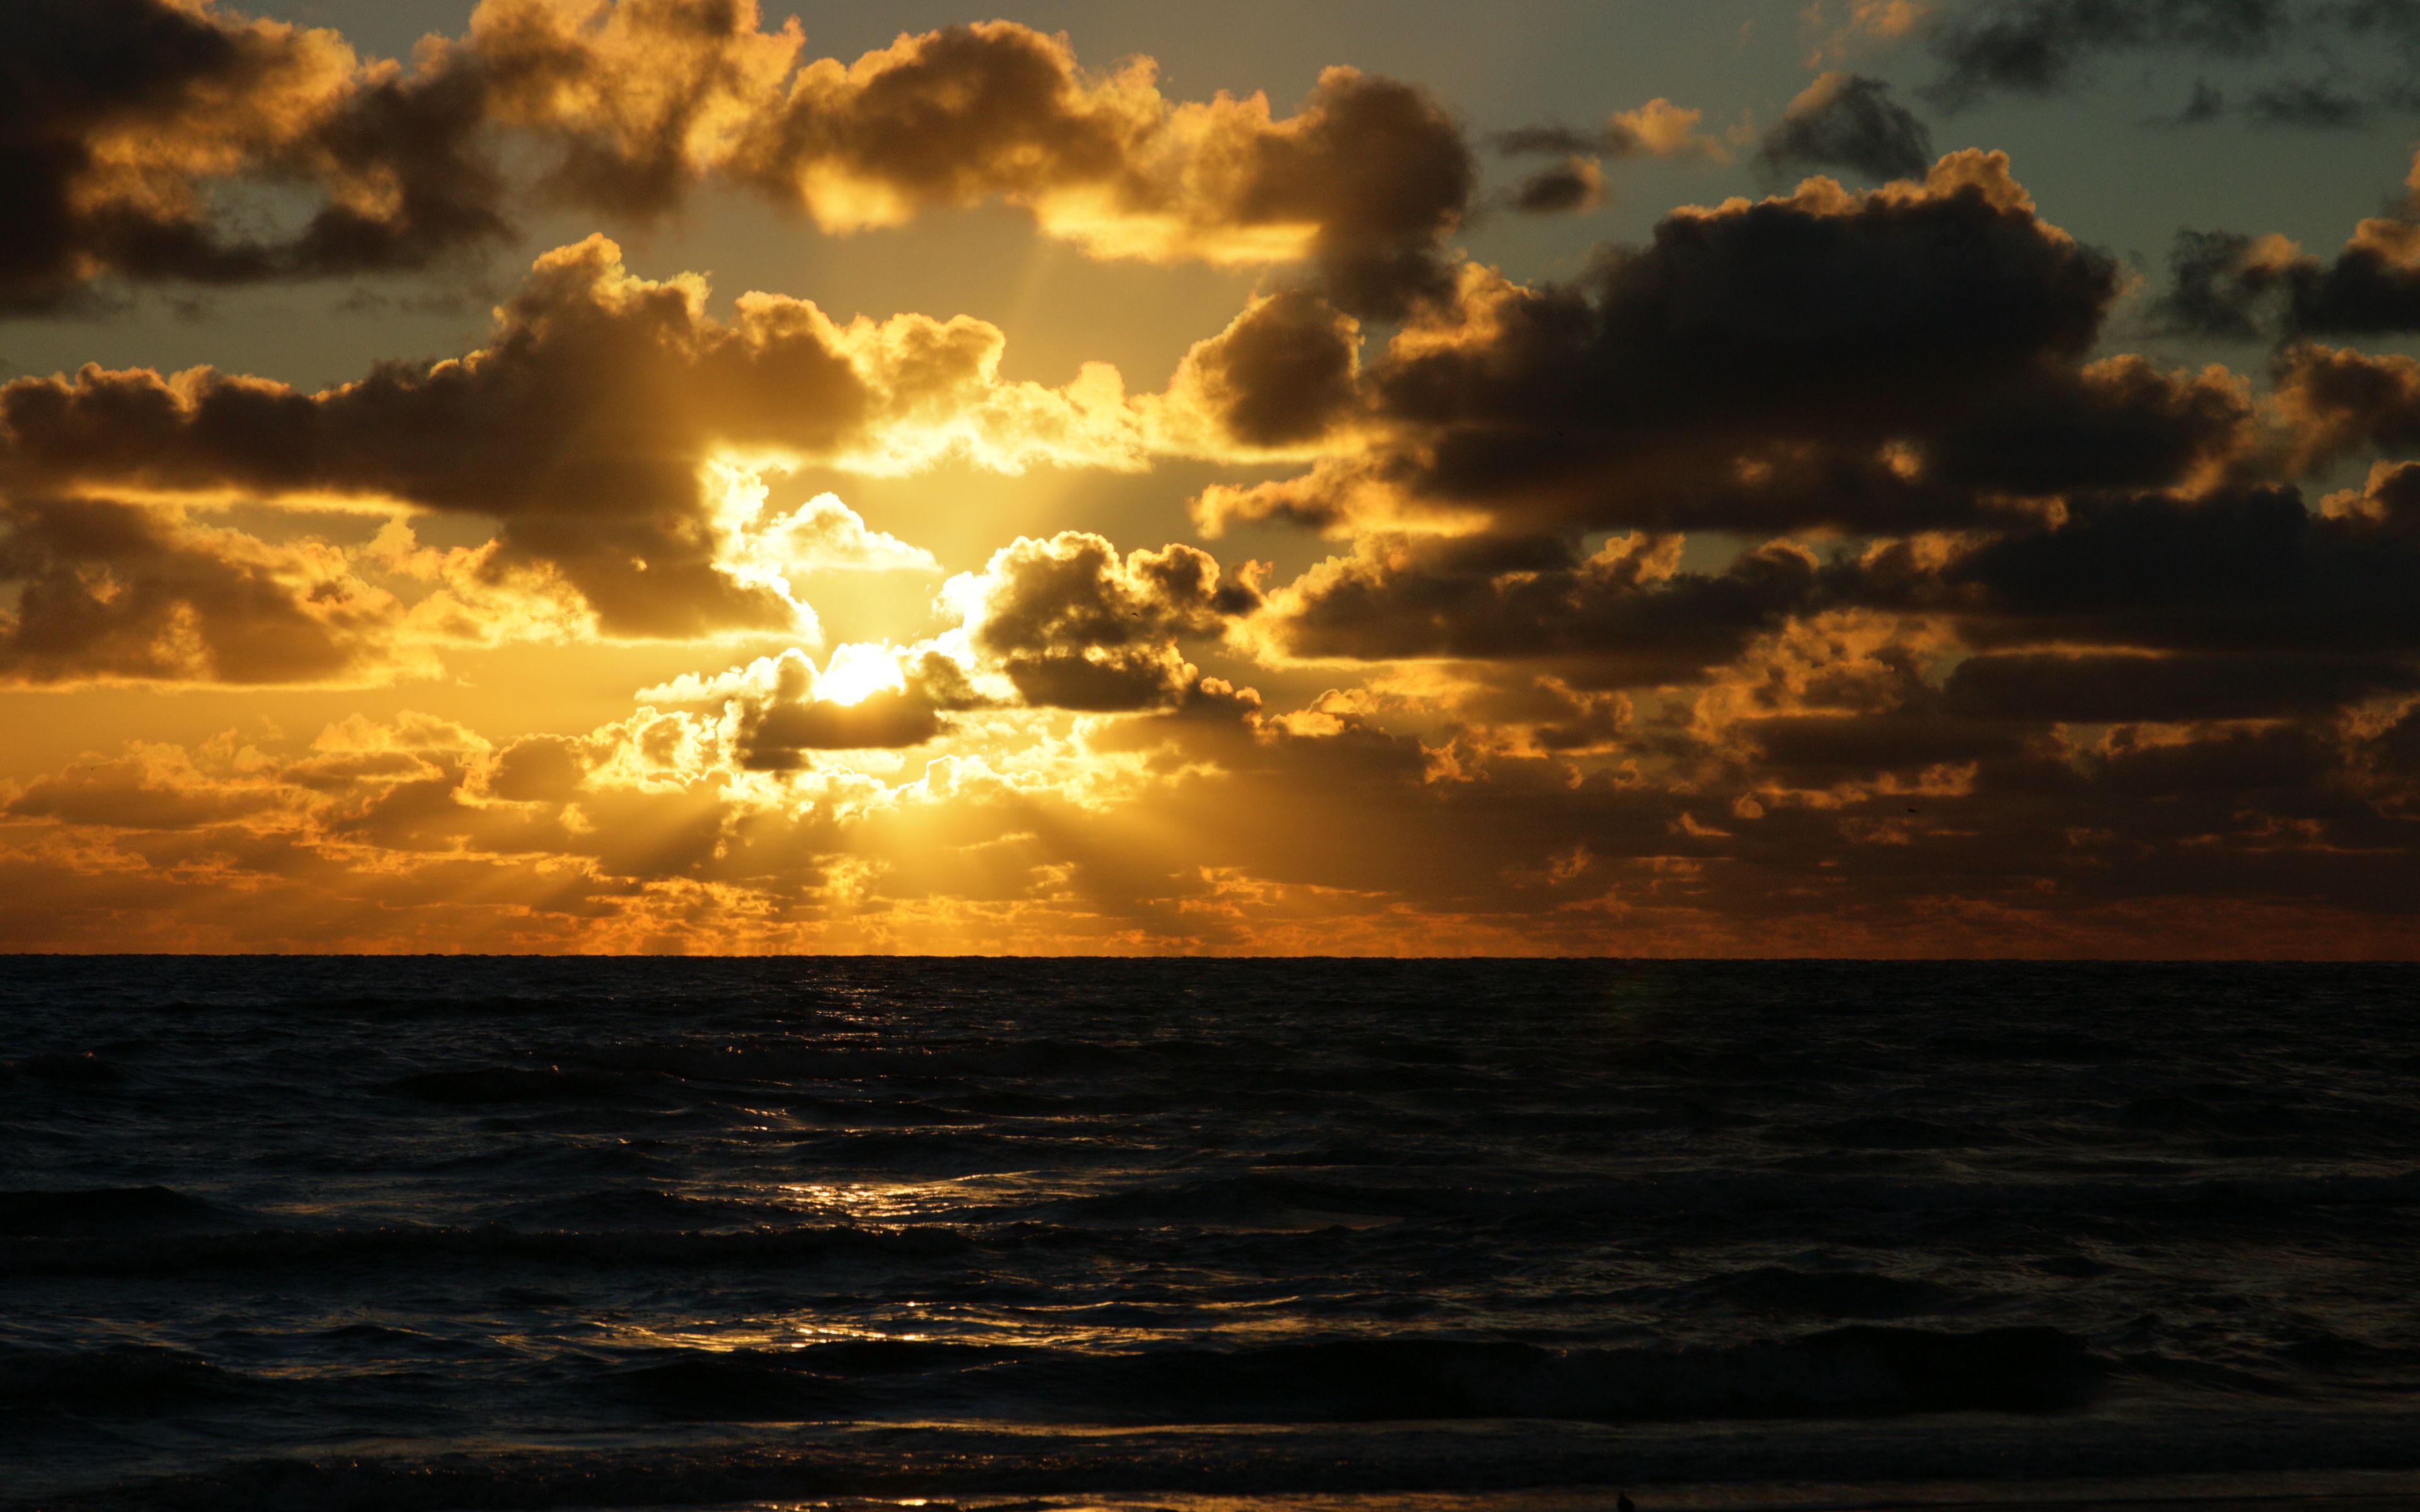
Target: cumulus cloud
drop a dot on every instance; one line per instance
(588, 428)
(120, 117)
(1910, 357)
(124, 124)
(1622, 615)
(1071, 625)
(115, 592)
(1283, 374)
(778, 710)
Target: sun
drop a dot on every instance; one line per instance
(857, 672)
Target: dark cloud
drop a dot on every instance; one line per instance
(1382, 170)
(1523, 141)
(2047, 46)
(540, 769)
(1658, 129)
(1623, 614)
(1375, 168)
(2105, 688)
(2213, 289)
(2230, 286)
(1073, 626)
(1847, 121)
(1903, 360)
(116, 592)
(1573, 184)
(117, 117)
(2337, 402)
(2207, 103)
(2243, 571)
(2314, 103)
(1284, 373)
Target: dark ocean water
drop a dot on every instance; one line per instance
(384, 1234)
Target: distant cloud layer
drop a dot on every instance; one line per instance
(1816, 573)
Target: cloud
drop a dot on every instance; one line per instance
(778, 710)
(1282, 375)
(1849, 121)
(1907, 359)
(589, 427)
(112, 592)
(2121, 687)
(1576, 183)
(2234, 286)
(1073, 626)
(1658, 129)
(2246, 570)
(126, 121)
(2335, 402)
(1860, 24)
(119, 117)
(1623, 615)
(2312, 103)
(1536, 816)
(1982, 637)
(2048, 46)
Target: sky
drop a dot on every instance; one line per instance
(1868, 477)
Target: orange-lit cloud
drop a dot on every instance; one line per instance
(633, 104)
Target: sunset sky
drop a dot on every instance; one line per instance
(1866, 477)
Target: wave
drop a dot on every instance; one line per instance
(645, 1207)
(1368, 1468)
(81, 1069)
(518, 1084)
(1832, 1293)
(1857, 1371)
(128, 1380)
(367, 1249)
(1775, 1196)
(101, 1210)
(1255, 1197)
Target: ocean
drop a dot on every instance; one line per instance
(518, 1233)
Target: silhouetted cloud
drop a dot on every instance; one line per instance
(1284, 372)
(117, 116)
(2235, 286)
(2046, 46)
(1624, 614)
(1576, 183)
(1903, 360)
(1073, 626)
(2312, 102)
(1847, 121)
(116, 592)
